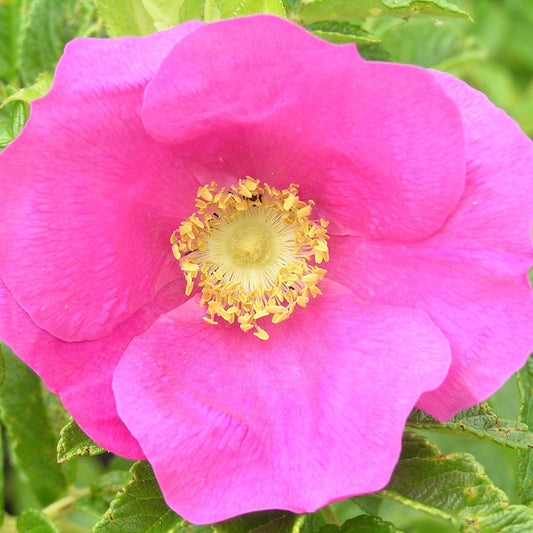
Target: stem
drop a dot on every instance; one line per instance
(330, 516)
(66, 526)
(65, 504)
(54, 511)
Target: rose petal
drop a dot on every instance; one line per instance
(87, 200)
(482, 302)
(496, 210)
(232, 424)
(471, 276)
(378, 146)
(493, 223)
(81, 372)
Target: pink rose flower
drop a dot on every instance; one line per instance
(294, 390)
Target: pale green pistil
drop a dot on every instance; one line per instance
(250, 244)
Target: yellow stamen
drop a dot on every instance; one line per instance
(261, 333)
(251, 250)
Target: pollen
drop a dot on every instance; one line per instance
(253, 251)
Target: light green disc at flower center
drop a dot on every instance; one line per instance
(251, 247)
(249, 244)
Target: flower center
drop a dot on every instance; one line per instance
(252, 250)
(250, 245)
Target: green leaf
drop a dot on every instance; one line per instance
(1, 472)
(525, 415)
(103, 492)
(73, 442)
(222, 9)
(264, 522)
(316, 10)
(373, 52)
(423, 7)
(14, 110)
(427, 43)
(26, 420)
(12, 120)
(362, 524)
(46, 26)
(10, 14)
(141, 17)
(480, 421)
(250, 7)
(368, 503)
(453, 487)
(506, 28)
(140, 507)
(309, 523)
(34, 521)
(27, 94)
(2, 366)
(125, 17)
(341, 32)
(291, 6)
(168, 13)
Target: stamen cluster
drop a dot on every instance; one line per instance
(252, 251)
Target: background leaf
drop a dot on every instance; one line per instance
(2, 365)
(73, 442)
(28, 426)
(34, 521)
(250, 7)
(38, 89)
(428, 42)
(45, 27)
(140, 507)
(362, 524)
(12, 119)
(317, 10)
(453, 487)
(125, 17)
(263, 522)
(223, 9)
(168, 13)
(10, 13)
(342, 32)
(493, 55)
(1, 474)
(103, 491)
(525, 415)
(15, 111)
(480, 421)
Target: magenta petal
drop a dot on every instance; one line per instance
(496, 209)
(492, 228)
(81, 372)
(482, 302)
(378, 146)
(232, 424)
(471, 276)
(87, 200)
